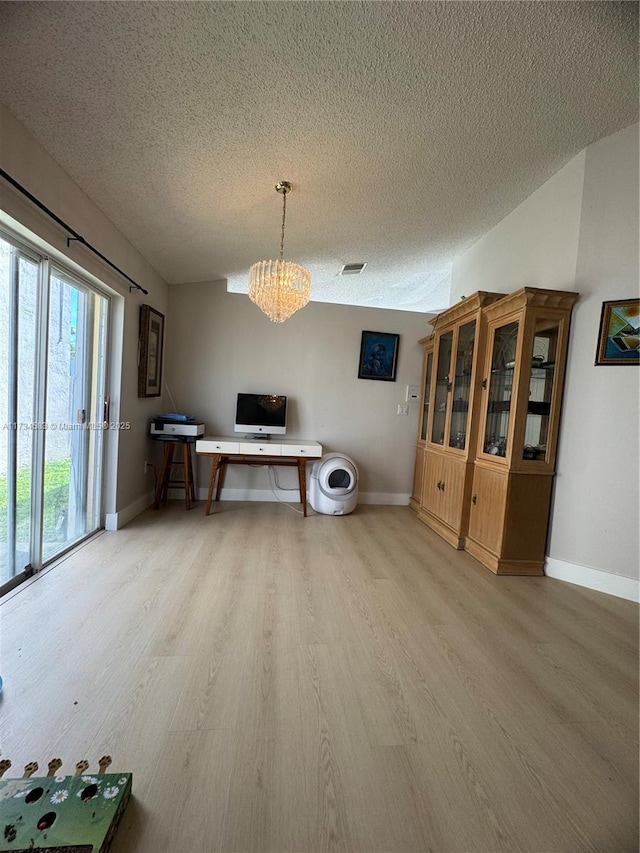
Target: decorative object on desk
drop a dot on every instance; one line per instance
(378, 356)
(78, 813)
(619, 335)
(175, 416)
(150, 352)
(280, 288)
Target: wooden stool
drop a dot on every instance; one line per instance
(168, 463)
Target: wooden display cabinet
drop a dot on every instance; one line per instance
(451, 418)
(521, 395)
(418, 471)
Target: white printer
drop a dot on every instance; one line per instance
(175, 425)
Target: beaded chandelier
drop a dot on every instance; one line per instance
(279, 288)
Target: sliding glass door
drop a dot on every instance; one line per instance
(73, 415)
(19, 283)
(53, 333)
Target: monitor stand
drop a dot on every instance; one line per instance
(258, 436)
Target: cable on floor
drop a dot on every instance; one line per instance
(273, 482)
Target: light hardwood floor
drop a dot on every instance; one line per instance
(276, 683)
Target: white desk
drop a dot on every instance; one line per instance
(231, 450)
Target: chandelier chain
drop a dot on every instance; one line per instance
(284, 214)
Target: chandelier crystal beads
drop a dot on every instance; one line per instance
(280, 288)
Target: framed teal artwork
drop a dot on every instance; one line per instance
(619, 336)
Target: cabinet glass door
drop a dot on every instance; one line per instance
(541, 379)
(462, 385)
(427, 395)
(443, 386)
(503, 361)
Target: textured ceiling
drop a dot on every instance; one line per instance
(407, 129)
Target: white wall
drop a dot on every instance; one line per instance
(580, 232)
(595, 521)
(22, 157)
(220, 343)
(534, 246)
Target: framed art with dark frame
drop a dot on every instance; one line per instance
(151, 346)
(619, 335)
(378, 356)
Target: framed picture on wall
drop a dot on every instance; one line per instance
(151, 345)
(619, 336)
(378, 356)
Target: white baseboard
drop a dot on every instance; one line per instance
(292, 496)
(384, 498)
(618, 585)
(250, 495)
(116, 520)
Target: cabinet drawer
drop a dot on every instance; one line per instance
(215, 445)
(260, 448)
(300, 450)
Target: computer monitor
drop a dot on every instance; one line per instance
(261, 414)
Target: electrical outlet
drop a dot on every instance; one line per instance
(403, 409)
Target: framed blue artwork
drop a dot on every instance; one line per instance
(378, 356)
(619, 336)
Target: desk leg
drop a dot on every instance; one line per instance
(215, 459)
(222, 470)
(302, 483)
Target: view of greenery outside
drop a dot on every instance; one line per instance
(57, 478)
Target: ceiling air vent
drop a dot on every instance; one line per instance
(352, 269)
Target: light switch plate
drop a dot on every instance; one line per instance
(413, 393)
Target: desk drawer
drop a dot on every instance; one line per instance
(260, 448)
(301, 450)
(213, 445)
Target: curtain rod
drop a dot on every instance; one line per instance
(76, 236)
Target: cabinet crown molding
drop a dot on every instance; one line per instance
(533, 297)
(469, 305)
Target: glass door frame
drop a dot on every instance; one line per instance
(454, 330)
(446, 378)
(424, 419)
(492, 329)
(13, 427)
(515, 438)
(46, 267)
(91, 322)
(529, 321)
